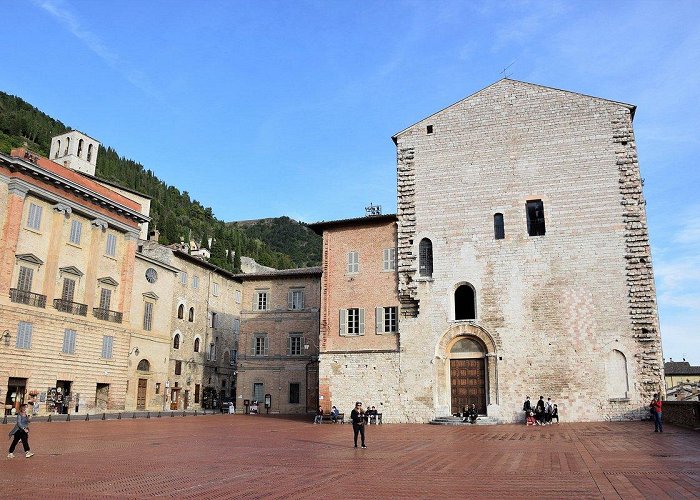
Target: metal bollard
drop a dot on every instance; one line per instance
(158, 414)
(172, 414)
(148, 415)
(104, 416)
(119, 416)
(133, 415)
(68, 418)
(4, 419)
(195, 413)
(87, 417)
(49, 419)
(183, 413)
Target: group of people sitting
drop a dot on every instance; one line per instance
(469, 414)
(371, 415)
(543, 413)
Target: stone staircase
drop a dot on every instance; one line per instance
(481, 420)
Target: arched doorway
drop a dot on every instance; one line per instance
(467, 374)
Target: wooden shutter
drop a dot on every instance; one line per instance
(290, 299)
(342, 321)
(24, 281)
(362, 321)
(267, 345)
(68, 290)
(379, 319)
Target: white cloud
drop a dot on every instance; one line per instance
(62, 12)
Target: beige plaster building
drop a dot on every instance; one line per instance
(67, 250)
(278, 353)
(523, 264)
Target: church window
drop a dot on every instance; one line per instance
(425, 258)
(176, 341)
(499, 230)
(58, 149)
(89, 153)
(181, 311)
(535, 217)
(80, 147)
(465, 302)
(191, 315)
(196, 344)
(67, 146)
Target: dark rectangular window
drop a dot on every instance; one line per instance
(294, 394)
(535, 217)
(499, 229)
(178, 367)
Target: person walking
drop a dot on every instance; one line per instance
(527, 408)
(20, 432)
(655, 406)
(539, 411)
(357, 416)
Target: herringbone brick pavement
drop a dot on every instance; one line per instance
(272, 457)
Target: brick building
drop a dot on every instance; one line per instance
(278, 347)
(523, 266)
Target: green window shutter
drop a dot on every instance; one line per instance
(362, 321)
(379, 319)
(343, 321)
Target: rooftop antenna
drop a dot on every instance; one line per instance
(504, 71)
(373, 210)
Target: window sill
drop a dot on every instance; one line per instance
(352, 334)
(425, 279)
(32, 230)
(74, 245)
(387, 333)
(619, 400)
(111, 257)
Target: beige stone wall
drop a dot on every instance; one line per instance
(278, 368)
(553, 306)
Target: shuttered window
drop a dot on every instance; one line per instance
(260, 345)
(111, 249)
(352, 321)
(386, 319)
(107, 344)
(353, 262)
(24, 280)
(261, 303)
(295, 299)
(69, 341)
(389, 262)
(105, 298)
(68, 292)
(76, 229)
(294, 344)
(34, 217)
(24, 335)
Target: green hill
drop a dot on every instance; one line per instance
(280, 244)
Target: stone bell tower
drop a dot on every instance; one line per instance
(75, 150)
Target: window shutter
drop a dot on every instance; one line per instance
(290, 299)
(379, 319)
(301, 300)
(343, 321)
(362, 321)
(289, 345)
(24, 281)
(266, 344)
(397, 319)
(68, 289)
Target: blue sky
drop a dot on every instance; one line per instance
(262, 109)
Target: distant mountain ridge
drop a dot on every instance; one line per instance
(277, 242)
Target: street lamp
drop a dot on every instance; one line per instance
(6, 337)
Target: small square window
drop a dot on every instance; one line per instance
(429, 129)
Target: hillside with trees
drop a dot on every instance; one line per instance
(280, 243)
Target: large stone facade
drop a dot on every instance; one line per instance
(567, 311)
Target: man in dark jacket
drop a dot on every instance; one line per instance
(357, 416)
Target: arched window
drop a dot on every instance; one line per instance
(196, 344)
(58, 149)
(67, 146)
(618, 383)
(467, 347)
(144, 366)
(80, 147)
(89, 155)
(181, 311)
(425, 258)
(176, 341)
(191, 316)
(465, 302)
(499, 229)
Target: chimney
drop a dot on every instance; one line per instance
(154, 235)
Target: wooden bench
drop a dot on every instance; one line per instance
(329, 418)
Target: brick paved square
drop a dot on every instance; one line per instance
(256, 456)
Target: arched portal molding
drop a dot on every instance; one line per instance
(457, 331)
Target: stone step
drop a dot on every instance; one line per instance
(481, 420)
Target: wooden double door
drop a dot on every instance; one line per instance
(468, 381)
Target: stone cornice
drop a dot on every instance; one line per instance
(18, 164)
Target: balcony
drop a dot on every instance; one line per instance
(67, 306)
(107, 315)
(29, 298)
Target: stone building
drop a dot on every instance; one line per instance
(523, 260)
(67, 250)
(278, 348)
